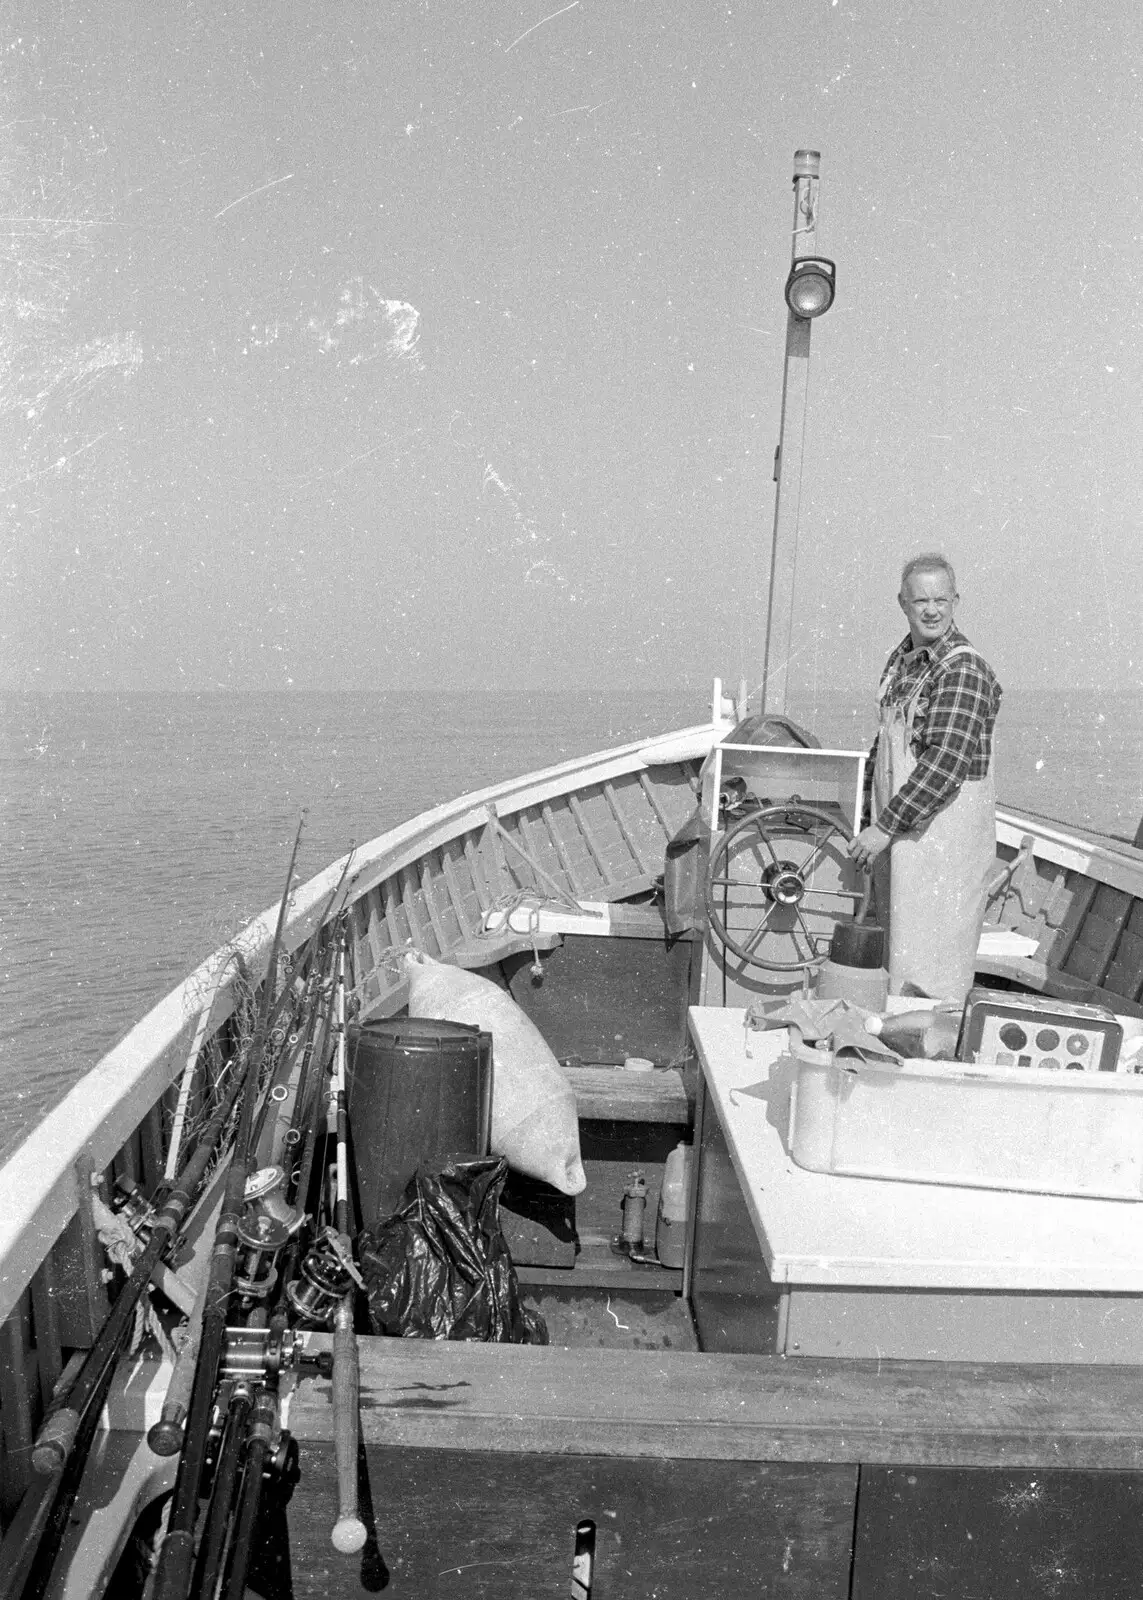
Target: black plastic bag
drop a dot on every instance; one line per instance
(440, 1268)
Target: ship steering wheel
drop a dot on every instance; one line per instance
(778, 867)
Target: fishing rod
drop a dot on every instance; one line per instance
(250, 1415)
(165, 1436)
(176, 1559)
(226, 1541)
(61, 1449)
(174, 1144)
(349, 1532)
(309, 1115)
(304, 963)
(312, 1063)
(213, 1545)
(259, 1444)
(59, 1455)
(311, 944)
(291, 1063)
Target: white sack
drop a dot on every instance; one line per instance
(535, 1124)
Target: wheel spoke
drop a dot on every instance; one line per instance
(742, 890)
(834, 894)
(807, 865)
(764, 838)
(760, 929)
(805, 930)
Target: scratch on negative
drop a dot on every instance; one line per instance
(335, 472)
(273, 183)
(618, 1324)
(540, 24)
(570, 109)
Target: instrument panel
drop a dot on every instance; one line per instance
(1027, 1031)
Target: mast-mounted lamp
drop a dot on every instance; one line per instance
(810, 287)
(809, 294)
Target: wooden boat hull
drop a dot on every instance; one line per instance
(592, 834)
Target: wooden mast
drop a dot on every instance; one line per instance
(788, 461)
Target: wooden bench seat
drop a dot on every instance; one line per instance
(616, 1094)
(729, 1407)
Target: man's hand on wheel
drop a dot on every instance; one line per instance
(866, 846)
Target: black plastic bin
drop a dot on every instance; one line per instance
(419, 1090)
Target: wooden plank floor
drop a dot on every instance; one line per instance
(465, 1524)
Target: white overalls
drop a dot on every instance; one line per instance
(932, 883)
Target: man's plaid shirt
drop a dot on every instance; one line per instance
(952, 726)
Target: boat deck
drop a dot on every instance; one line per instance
(719, 1472)
(723, 1475)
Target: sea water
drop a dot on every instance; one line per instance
(141, 831)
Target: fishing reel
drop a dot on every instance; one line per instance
(266, 1228)
(327, 1275)
(259, 1355)
(265, 1193)
(129, 1203)
(281, 1469)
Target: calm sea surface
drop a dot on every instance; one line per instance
(140, 831)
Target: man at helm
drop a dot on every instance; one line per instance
(931, 842)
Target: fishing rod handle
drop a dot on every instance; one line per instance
(165, 1437)
(176, 1570)
(349, 1532)
(56, 1437)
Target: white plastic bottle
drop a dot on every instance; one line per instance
(931, 1035)
(671, 1225)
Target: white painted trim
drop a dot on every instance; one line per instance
(1120, 866)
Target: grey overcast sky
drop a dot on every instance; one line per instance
(375, 345)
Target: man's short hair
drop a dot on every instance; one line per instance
(930, 562)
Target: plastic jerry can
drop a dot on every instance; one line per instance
(671, 1225)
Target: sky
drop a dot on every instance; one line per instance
(441, 344)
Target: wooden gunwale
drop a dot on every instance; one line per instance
(1081, 897)
(1118, 865)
